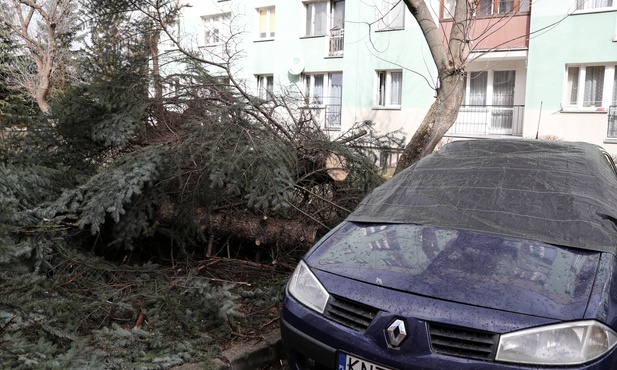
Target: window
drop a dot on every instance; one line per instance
(503, 87)
(487, 8)
(334, 101)
(612, 110)
(589, 87)
(389, 88)
(390, 15)
(214, 27)
(594, 86)
(447, 9)
(266, 22)
(323, 88)
(489, 104)
(337, 28)
(614, 102)
(265, 86)
(503, 7)
(316, 18)
(337, 14)
(477, 88)
(324, 92)
(314, 88)
(593, 4)
(490, 88)
(572, 88)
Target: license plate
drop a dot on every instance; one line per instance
(350, 362)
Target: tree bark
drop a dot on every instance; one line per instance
(40, 27)
(438, 120)
(259, 230)
(450, 90)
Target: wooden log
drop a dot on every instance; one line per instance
(260, 230)
(336, 167)
(322, 167)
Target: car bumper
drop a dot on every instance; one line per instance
(313, 342)
(304, 352)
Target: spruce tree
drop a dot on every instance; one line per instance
(16, 108)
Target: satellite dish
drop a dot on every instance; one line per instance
(296, 65)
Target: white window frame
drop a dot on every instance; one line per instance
(308, 81)
(309, 25)
(327, 102)
(265, 86)
(270, 26)
(487, 91)
(447, 11)
(310, 95)
(578, 105)
(215, 28)
(594, 5)
(390, 15)
(384, 93)
(498, 8)
(614, 94)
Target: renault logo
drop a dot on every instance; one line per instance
(396, 333)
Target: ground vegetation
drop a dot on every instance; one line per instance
(116, 204)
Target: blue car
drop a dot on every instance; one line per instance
(487, 254)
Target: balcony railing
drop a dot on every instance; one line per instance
(494, 33)
(489, 120)
(337, 42)
(326, 111)
(612, 122)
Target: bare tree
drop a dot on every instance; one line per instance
(452, 54)
(451, 61)
(44, 28)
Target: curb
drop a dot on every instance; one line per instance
(255, 354)
(249, 356)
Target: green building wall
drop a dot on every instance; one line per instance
(560, 36)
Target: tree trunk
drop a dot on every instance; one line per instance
(321, 167)
(259, 230)
(451, 63)
(438, 120)
(42, 90)
(154, 39)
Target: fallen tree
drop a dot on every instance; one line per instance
(258, 229)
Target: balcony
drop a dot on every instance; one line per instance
(326, 111)
(337, 42)
(496, 32)
(612, 122)
(479, 120)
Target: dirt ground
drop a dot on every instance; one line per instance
(270, 278)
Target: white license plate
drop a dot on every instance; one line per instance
(349, 362)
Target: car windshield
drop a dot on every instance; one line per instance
(432, 260)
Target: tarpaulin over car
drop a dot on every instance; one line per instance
(561, 193)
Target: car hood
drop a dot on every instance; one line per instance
(478, 269)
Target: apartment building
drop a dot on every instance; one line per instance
(571, 82)
(353, 61)
(541, 69)
(495, 89)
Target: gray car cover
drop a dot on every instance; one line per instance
(562, 193)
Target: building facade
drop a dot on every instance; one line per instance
(543, 69)
(571, 83)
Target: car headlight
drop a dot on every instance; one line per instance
(562, 344)
(305, 287)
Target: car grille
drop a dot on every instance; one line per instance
(350, 313)
(463, 342)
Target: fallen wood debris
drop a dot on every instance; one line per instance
(260, 230)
